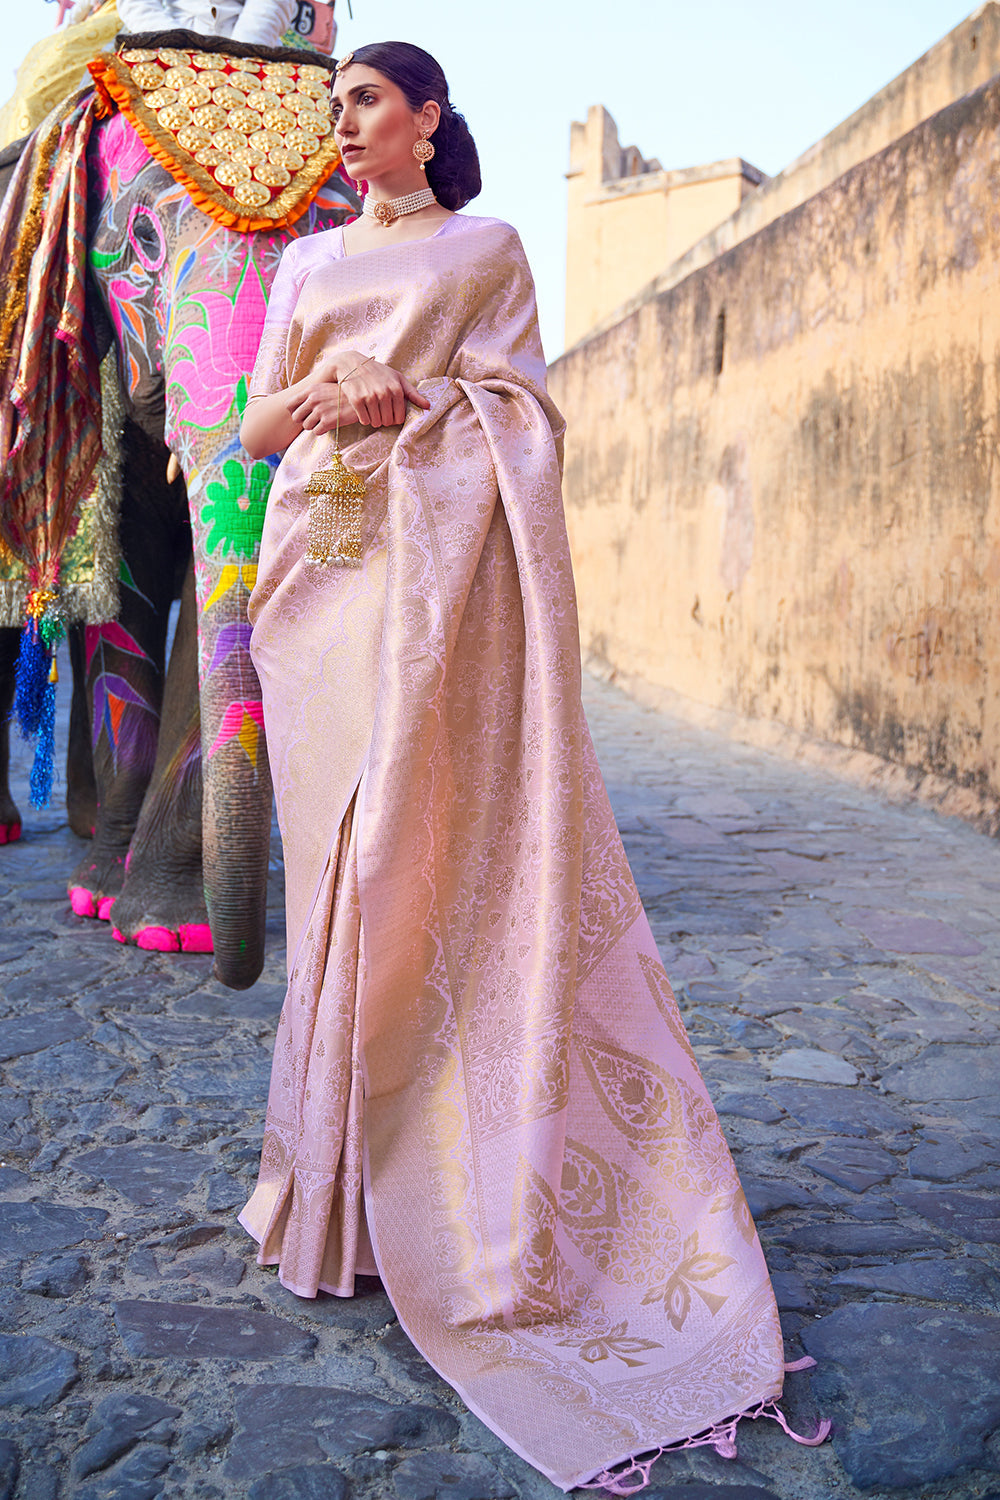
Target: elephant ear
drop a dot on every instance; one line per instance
(257, 154)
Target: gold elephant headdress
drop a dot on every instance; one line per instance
(247, 131)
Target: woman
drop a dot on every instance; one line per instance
(482, 1087)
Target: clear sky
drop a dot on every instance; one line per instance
(687, 82)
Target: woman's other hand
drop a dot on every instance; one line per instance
(374, 395)
(371, 394)
(315, 410)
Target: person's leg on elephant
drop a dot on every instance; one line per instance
(125, 669)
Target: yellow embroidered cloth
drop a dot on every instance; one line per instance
(480, 1063)
(54, 68)
(249, 135)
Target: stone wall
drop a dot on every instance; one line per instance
(782, 474)
(627, 218)
(964, 60)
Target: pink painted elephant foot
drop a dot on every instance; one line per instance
(190, 937)
(10, 819)
(164, 913)
(96, 884)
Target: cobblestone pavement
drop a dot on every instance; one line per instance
(837, 959)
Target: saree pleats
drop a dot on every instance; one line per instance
(553, 1208)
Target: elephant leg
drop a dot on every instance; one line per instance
(81, 785)
(124, 663)
(81, 794)
(162, 903)
(237, 778)
(10, 818)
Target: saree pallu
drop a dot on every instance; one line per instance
(480, 1063)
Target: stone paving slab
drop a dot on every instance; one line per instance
(838, 963)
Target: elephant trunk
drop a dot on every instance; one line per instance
(236, 824)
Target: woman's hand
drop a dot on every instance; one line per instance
(316, 409)
(369, 393)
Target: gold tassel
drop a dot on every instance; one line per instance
(337, 507)
(335, 515)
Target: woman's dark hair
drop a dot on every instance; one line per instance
(454, 172)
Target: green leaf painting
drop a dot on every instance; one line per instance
(234, 513)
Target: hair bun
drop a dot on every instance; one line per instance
(454, 172)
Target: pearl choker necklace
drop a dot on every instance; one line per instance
(387, 210)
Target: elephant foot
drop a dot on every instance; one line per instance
(10, 820)
(83, 902)
(162, 909)
(82, 821)
(95, 885)
(86, 904)
(190, 937)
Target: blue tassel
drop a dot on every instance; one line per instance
(31, 680)
(40, 781)
(35, 709)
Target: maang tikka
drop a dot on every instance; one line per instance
(336, 507)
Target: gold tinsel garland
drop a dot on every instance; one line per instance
(16, 275)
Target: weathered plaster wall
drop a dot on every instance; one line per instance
(964, 60)
(782, 474)
(628, 218)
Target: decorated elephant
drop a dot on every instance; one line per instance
(182, 244)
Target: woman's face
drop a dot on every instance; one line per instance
(374, 126)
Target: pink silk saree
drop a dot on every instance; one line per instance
(480, 1072)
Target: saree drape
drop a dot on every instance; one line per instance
(480, 1062)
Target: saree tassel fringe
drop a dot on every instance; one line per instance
(634, 1475)
(35, 681)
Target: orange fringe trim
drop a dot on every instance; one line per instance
(105, 105)
(114, 94)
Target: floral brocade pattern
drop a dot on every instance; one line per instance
(553, 1207)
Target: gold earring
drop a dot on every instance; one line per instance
(423, 150)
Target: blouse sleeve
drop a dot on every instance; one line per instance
(270, 371)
